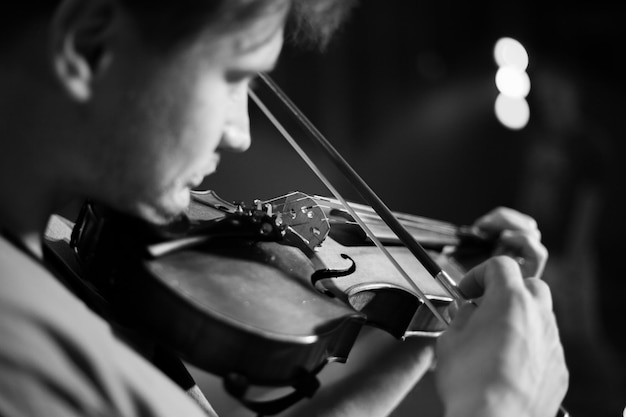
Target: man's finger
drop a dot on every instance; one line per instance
(491, 275)
(503, 218)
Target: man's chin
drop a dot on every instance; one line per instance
(163, 212)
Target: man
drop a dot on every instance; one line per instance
(130, 102)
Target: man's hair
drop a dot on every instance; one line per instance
(166, 23)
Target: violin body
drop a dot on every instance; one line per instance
(252, 318)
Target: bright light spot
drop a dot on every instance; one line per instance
(512, 82)
(509, 52)
(513, 113)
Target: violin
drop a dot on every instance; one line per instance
(261, 296)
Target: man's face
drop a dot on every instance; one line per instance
(162, 119)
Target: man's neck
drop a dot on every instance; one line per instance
(32, 162)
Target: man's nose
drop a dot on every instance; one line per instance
(236, 136)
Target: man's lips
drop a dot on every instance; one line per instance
(198, 177)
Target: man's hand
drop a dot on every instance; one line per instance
(502, 355)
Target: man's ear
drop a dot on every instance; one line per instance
(82, 33)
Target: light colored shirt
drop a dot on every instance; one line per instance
(59, 359)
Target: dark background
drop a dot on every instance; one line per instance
(406, 92)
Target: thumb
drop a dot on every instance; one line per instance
(493, 275)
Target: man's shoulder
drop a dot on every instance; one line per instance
(58, 358)
(33, 301)
(25, 283)
(44, 333)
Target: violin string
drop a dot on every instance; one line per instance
(443, 230)
(403, 216)
(416, 223)
(337, 195)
